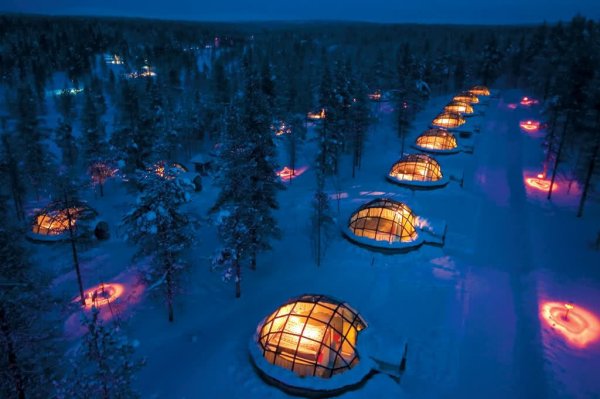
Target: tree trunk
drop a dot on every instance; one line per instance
(169, 279)
(238, 279)
(558, 153)
(13, 365)
(319, 222)
(72, 239)
(101, 189)
(590, 171)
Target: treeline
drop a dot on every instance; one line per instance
(561, 64)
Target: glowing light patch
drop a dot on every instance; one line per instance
(287, 174)
(540, 184)
(102, 295)
(578, 326)
(530, 125)
(282, 129)
(512, 106)
(376, 96)
(526, 101)
(316, 115)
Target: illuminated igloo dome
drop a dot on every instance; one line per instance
(466, 97)
(418, 170)
(448, 120)
(384, 224)
(52, 223)
(438, 141)
(459, 108)
(307, 342)
(479, 90)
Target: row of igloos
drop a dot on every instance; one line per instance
(309, 345)
(422, 170)
(390, 225)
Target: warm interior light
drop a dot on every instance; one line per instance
(528, 101)
(56, 222)
(317, 115)
(577, 325)
(102, 294)
(448, 120)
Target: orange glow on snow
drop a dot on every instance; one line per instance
(316, 115)
(578, 326)
(528, 101)
(530, 125)
(540, 184)
(102, 294)
(287, 174)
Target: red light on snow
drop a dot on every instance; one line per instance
(528, 101)
(540, 184)
(530, 125)
(512, 106)
(102, 294)
(578, 326)
(289, 174)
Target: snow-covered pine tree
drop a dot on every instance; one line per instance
(161, 229)
(322, 219)
(263, 182)
(231, 204)
(93, 131)
(38, 162)
(65, 139)
(104, 365)
(11, 173)
(359, 119)
(27, 361)
(327, 143)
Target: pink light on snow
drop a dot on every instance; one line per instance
(102, 295)
(512, 106)
(527, 101)
(287, 174)
(530, 125)
(114, 300)
(540, 184)
(578, 326)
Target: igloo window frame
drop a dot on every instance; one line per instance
(377, 210)
(437, 135)
(430, 165)
(448, 120)
(305, 363)
(53, 213)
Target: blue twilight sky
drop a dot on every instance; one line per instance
(421, 11)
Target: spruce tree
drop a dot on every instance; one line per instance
(104, 365)
(161, 229)
(27, 364)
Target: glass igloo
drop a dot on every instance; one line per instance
(417, 170)
(438, 141)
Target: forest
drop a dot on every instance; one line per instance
(85, 101)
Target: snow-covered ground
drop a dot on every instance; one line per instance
(470, 311)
